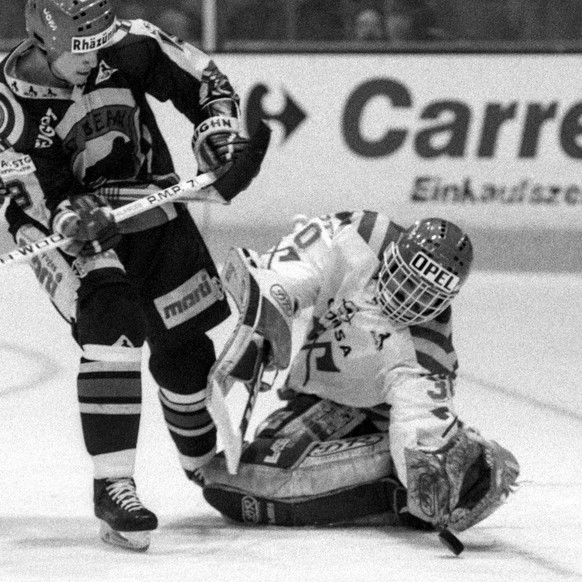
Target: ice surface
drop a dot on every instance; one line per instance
(520, 347)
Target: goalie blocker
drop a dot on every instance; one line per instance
(262, 338)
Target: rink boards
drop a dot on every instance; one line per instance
(491, 141)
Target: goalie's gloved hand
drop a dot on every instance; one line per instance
(461, 484)
(89, 220)
(219, 149)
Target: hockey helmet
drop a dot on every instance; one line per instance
(423, 271)
(76, 26)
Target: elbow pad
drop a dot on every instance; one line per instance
(217, 97)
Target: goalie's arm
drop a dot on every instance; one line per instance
(454, 477)
(422, 414)
(302, 259)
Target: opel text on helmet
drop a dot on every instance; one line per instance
(423, 271)
(76, 26)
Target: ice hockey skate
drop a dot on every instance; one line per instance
(125, 522)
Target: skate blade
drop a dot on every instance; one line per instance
(136, 541)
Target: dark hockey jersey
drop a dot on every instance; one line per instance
(69, 141)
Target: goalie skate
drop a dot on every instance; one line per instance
(260, 340)
(124, 521)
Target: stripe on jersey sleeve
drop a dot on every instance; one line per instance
(433, 344)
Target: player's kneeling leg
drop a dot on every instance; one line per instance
(293, 481)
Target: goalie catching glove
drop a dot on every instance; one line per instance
(89, 221)
(461, 484)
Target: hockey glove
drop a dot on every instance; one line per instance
(87, 219)
(461, 484)
(217, 140)
(215, 145)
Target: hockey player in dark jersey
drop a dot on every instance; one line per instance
(369, 428)
(74, 120)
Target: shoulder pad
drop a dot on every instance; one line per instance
(376, 229)
(141, 27)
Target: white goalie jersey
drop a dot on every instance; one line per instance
(352, 353)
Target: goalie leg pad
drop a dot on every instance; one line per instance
(382, 498)
(292, 467)
(304, 469)
(310, 415)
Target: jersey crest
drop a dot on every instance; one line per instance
(105, 72)
(103, 141)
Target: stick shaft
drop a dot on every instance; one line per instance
(144, 203)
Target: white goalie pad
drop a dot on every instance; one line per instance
(285, 468)
(262, 337)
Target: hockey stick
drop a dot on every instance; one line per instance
(246, 295)
(121, 194)
(253, 389)
(254, 346)
(55, 240)
(233, 437)
(226, 184)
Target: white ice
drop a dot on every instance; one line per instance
(520, 346)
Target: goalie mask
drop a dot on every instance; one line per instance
(423, 271)
(76, 26)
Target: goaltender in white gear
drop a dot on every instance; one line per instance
(369, 426)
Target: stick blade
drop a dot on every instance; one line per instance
(229, 434)
(452, 542)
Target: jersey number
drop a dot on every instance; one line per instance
(308, 235)
(304, 238)
(15, 190)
